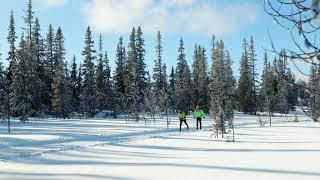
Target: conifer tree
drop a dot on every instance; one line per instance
(38, 57)
(28, 101)
(252, 64)
(88, 94)
(141, 78)
(101, 79)
(2, 89)
(11, 59)
(110, 99)
(183, 85)
(158, 71)
(267, 94)
(163, 96)
(19, 101)
(314, 99)
(171, 90)
(75, 101)
(131, 86)
(12, 48)
(119, 77)
(222, 87)
(246, 83)
(200, 78)
(135, 73)
(60, 84)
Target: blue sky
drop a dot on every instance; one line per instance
(193, 20)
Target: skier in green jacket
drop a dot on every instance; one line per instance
(182, 118)
(198, 114)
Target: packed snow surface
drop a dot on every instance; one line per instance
(116, 149)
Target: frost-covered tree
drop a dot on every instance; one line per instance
(75, 101)
(88, 94)
(61, 87)
(171, 90)
(314, 99)
(183, 87)
(163, 94)
(119, 78)
(267, 96)
(135, 80)
(141, 70)
(222, 87)
(158, 73)
(131, 86)
(254, 75)
(200, 78)
(110, 99)
(246, 83)
(12, 56)
(25, 91)
(150, 95)
(39, 54)
(3, 85)
(12, 48)
(101, 79)
(19, 98)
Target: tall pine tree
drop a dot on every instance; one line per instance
(119, 78)
(101, 79)
(200, 78)
(88, 95)
(183, 92)
(246, 83)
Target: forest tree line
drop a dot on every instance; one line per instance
(40, 80)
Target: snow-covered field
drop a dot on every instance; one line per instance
(114, 149)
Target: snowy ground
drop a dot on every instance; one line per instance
(114, 149)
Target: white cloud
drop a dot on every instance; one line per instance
(201, 16)
(52, 3)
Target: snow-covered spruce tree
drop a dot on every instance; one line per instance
(75, 101)
(39, 54)
(135, 80)
(200, 78)
(183, 90)
(141, 70)
(101, 79)
(61, 84)
(246, 83)
(27, 96)
(11, 54)
(292, 96)
(19, 101)
(119, 78)
(11, 59)
(49, 65)
(267, 96)
(254, 75)
(79, 87)
(131, 86)
(3, 86)
(314, 99)
(150, 98)
(222, 87)
(67, 91)
(88, 94)
(110, 99)
(158, 72)
(49, 51)
(280, 64)
(171, 90)
(163, 96)
(33, 80)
